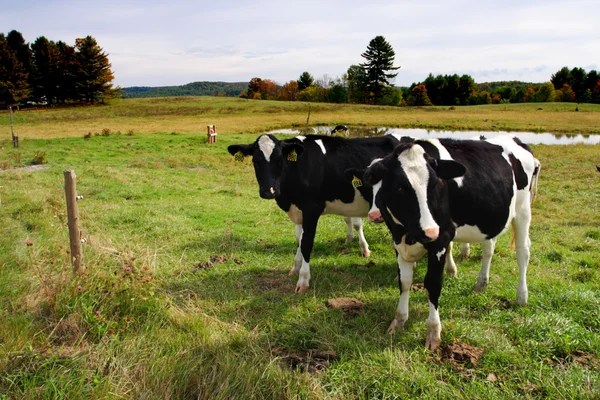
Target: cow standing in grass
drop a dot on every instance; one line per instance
(431, 192)
(305, 175)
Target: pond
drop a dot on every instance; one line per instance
(526, 137)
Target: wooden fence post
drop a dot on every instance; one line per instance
(15, 139)
(73, 221)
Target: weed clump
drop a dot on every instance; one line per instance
(39, 158)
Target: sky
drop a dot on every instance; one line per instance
(164, 43)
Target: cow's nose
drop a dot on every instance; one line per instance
(432, 233)
(375, 216)
(268, 193)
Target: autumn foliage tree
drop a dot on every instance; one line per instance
(289, 91)
(93, 71)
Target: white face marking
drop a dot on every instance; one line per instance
(266, 145)
(376, 188)
(301, 138)
(320, 143)
(445, 155)
(415, 167)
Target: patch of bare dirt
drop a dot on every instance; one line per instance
(220, 259)
(364, 266)
(417, 286)
(348, 305)
(461, 355)
(582, 358)
(311, 361)
(273, 280)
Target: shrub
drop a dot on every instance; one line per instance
(39, 157)
(87, 135)
(105, 132)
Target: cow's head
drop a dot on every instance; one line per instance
(355, 175)
(411, 189)
(269, 156)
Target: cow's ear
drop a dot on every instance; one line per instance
(240, 150)
(375, 173)
(355, 176)
(291, 151)
(447, 169)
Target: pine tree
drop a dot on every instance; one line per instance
(380, 59)
(13, 79)
(305, 80)
(22, 51)
(45, 70)
(92, 72)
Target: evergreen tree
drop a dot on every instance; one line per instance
(13, 79)
(92, 72)
(561, 77)
(380, 59)
(305, 80)
(21, 49)
(65, 72)
(45, 70)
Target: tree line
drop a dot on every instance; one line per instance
(231, 89)
(48, 72)
(371, 82)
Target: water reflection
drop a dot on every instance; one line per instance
(526, 137)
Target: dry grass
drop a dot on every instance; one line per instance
(231, 115)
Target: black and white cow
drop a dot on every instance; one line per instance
(340, 128)
(432, 192)
(305, 175)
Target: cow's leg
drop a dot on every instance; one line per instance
(450, 264)
(298, 233)
(405, 274)
(357, 223)
(465, 249)
(487, 251)
(349, 231)
(433, 288)
(522, 243)
(309, 228)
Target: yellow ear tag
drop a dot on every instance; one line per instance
(239, 156)
(292, 155)
(356, 182)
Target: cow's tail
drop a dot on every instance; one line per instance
(534, 179)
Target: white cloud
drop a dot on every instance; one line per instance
(154, 43)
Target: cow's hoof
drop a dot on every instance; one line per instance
(522, 298)
(365, 253)
(301, 288)
(432, 342)
(293, 272)
(396, 324)
(480, 285)
(451, 272)
(349, 239)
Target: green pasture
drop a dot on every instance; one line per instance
(186, 292)
(233, 115)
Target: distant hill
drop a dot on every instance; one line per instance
(231, 89)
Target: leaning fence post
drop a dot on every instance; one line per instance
(15, 139)
(73, 221)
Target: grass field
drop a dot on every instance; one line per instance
(232, 115)
(186, 292)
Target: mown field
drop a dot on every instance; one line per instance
(186, 292)
(233, 115)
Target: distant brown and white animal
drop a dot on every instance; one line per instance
(431, 192)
